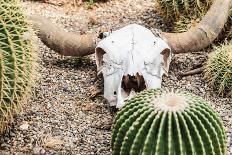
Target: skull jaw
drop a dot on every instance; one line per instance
(119, 96)
(123, 96)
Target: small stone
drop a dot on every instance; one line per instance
(24, 126)
(65, 88)
(49, 105)
(202, 91)
(37, 150)
(42, 151)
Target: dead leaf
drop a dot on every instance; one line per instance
(94, 91)
(89, 107)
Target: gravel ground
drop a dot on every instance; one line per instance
(68, 114)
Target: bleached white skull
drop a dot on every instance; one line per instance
(131, 59)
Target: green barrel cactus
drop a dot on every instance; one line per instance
(17, 60)
(159, 122)
(218, 69)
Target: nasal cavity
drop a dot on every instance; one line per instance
(135, 83)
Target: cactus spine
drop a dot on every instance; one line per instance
(159, 122)
(218, 69)
(17, 60)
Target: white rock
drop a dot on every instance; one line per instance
(24, 126)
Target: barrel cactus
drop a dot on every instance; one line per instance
(17, 60)
(218, 69)
(187, 8)
(184, 13)
(161, 122)
(187, 13)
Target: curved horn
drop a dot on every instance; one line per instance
(61, 41)
(204, 33)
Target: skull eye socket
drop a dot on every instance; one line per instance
(104, 64)
(160, 65)
(99, 57)
(166, 58)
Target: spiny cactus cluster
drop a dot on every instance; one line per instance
(187, 8)
(159, 122)
(187, 13)
(17, 60)
(218, 69)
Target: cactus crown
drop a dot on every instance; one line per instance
(17, 60)
(162, 122)
(218, 69)
(170, 102)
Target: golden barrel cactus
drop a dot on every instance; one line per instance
(17, 60)
(218, 69)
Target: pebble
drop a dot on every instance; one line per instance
(24, 126)
(38, 151)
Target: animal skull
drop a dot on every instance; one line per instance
(131, 59)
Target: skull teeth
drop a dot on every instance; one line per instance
(135, 82)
